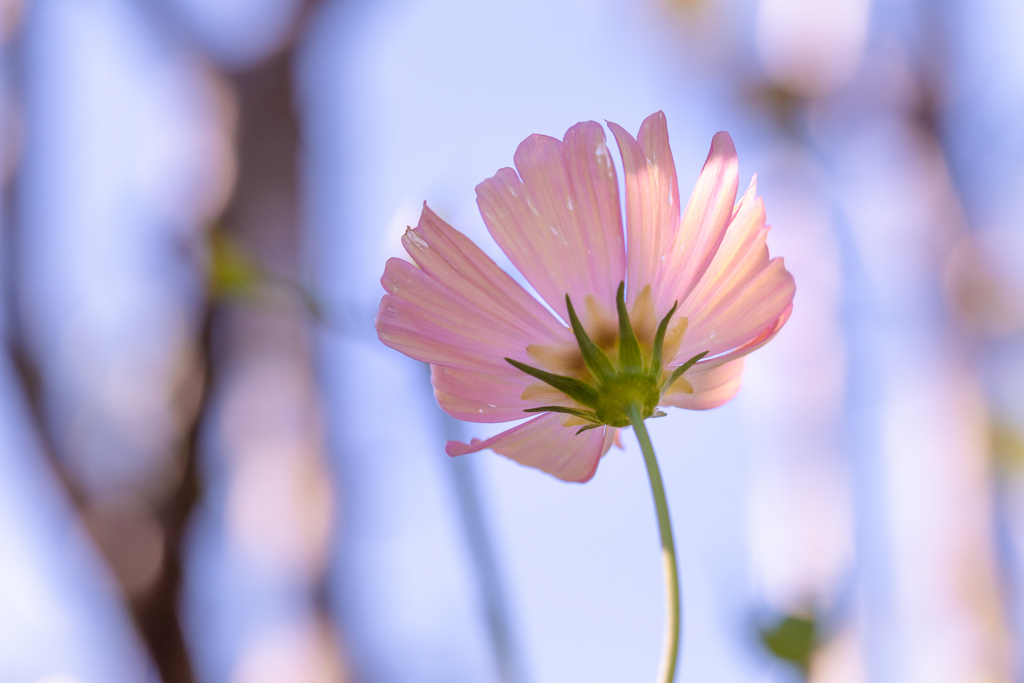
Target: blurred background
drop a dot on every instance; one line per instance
(211, 471)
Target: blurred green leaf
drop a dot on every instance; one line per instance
(792, 639)
(232, 273)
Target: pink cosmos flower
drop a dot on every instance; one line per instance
(662, 313)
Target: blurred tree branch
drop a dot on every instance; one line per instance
(155, 610)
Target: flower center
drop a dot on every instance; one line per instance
(607, 390)
(623, 391)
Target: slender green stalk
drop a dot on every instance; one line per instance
(668, 548)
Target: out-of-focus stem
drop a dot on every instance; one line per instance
(491, 587)
(485, 564)
(668, 549)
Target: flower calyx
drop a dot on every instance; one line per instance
(617, 385)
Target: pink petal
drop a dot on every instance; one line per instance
(459, 310)
(452, 258)
(763, 337)
(703, 225)
(742, 294)
(481, 397)
(611, 438)
(714, 383)
(425, 320)
(741, 255)
(748, 197)
(742, 313)
(560, 225)
(652, 204)
(545, 444)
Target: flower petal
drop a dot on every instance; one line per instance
(742, 314)
(545, 444)
(742, 293)
(762, 337)
(460, 309)
(427, 321)
(560, 224)
(481, 397)
(742, 253)
(652, 203)
(714, 383)
(704, 223)
(452, 258)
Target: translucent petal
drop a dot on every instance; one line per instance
(713, 383)
(559, 218)
(545, 444)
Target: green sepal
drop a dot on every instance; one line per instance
(575, 389)
(583, 429)
(659, 341)
(659, 413)
(678, 372)
(593, 357)
(630, 359)
(585, 414)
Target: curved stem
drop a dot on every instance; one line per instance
(668, 549)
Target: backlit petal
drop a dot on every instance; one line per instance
(652, 204)
(452, 258)
(559, 220)
(459, 309)
(481, 397)
(766, 334)
(545, 444)
(743, 313)
(742, 293)
(425, 320)
(741, 255)
(713, 383)
(703, 226)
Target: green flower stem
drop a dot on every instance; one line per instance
(668, 548)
